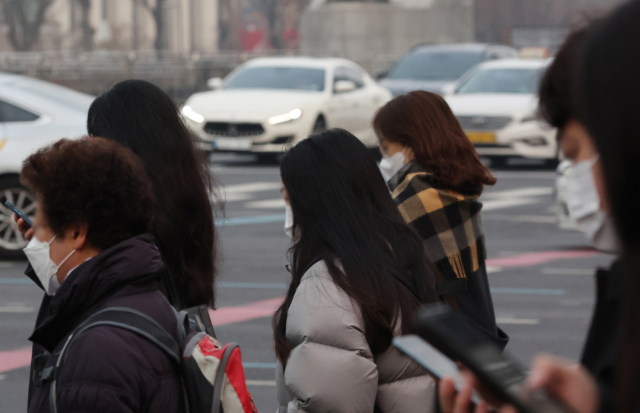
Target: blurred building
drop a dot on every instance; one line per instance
(526, 23)
(376, 33)
(260, 25)
(179, 26)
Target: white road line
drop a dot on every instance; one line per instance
(239, 196)
(261, 382)
(3, 376)
(537, 219)
(520, 321)
(17, 309)
(525, 175)
(251, 187)
(568, 271)
(507, 203)
(520, 192)
(277, 203)
(7, 264)
(491, 269)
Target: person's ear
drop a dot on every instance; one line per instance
(408, 155)
(79, 236)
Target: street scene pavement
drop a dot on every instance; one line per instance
(541, 277)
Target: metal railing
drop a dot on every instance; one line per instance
(179, 75)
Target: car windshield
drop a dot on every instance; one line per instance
(435, 65)
(62, 95)
(278, 77)
(519, 81)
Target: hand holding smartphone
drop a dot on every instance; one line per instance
(453, 335)
(19, 213)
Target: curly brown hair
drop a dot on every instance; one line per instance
(423, 121)
(94, 182)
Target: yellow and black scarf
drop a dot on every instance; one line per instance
(447, 221)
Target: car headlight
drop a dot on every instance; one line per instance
(534, 141)
(188, 112)
(530, 118)
(287, 117)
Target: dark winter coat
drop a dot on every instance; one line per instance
(109, 369)
(37, 351)
(450, 226)
(603, 341)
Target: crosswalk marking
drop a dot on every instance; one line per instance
(277, 203)
(492, 200)
(568, 271)
(261, 382)
(513, 320)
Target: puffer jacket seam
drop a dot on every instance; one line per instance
(358, 352)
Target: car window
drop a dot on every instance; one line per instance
(513, 80)
(55, 93)
(12, 113)
(435, 65)
(277, 77)
(346, 73)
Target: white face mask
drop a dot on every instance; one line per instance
(288, 221)
(390, 165)
(583, 202)
(38, 254)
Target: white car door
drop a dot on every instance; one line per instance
(344, 108)
(22, 124)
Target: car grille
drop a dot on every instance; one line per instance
(480, 123)
(233, 129)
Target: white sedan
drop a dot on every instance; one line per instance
(268, 104)
(33, 114)
(496, 104)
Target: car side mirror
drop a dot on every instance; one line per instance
(215, 83)
(344, 86)
(381, 75)
(449, 89)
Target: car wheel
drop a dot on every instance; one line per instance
(320, 125)
(11, 240)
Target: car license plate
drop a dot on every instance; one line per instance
(233, 144)
(482, 137)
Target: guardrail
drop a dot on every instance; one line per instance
(179, 75)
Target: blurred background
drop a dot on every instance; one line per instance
(179, 44)
(237, 70)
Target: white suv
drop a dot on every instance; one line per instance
(33, 114)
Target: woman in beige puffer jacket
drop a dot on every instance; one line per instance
(358, 275)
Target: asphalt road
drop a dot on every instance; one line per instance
(542, 277)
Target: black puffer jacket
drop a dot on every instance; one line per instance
(108, 369)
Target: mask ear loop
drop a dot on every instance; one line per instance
(65, 259)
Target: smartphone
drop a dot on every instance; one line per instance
(18, 213)
(456, 337)
(200, 316)
(431, 359)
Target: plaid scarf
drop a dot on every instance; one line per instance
(447, 221)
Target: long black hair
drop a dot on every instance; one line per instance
(142, 117)
(612, 108)
(343, 214)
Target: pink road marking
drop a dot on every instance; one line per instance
(15, 359)
(230, 315)
(537, 258)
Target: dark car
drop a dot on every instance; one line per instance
(436, 68)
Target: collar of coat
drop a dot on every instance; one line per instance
(134, 264)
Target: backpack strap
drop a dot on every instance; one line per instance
(121, 317)
(216, 406)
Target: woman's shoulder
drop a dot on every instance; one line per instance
(324, 313)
